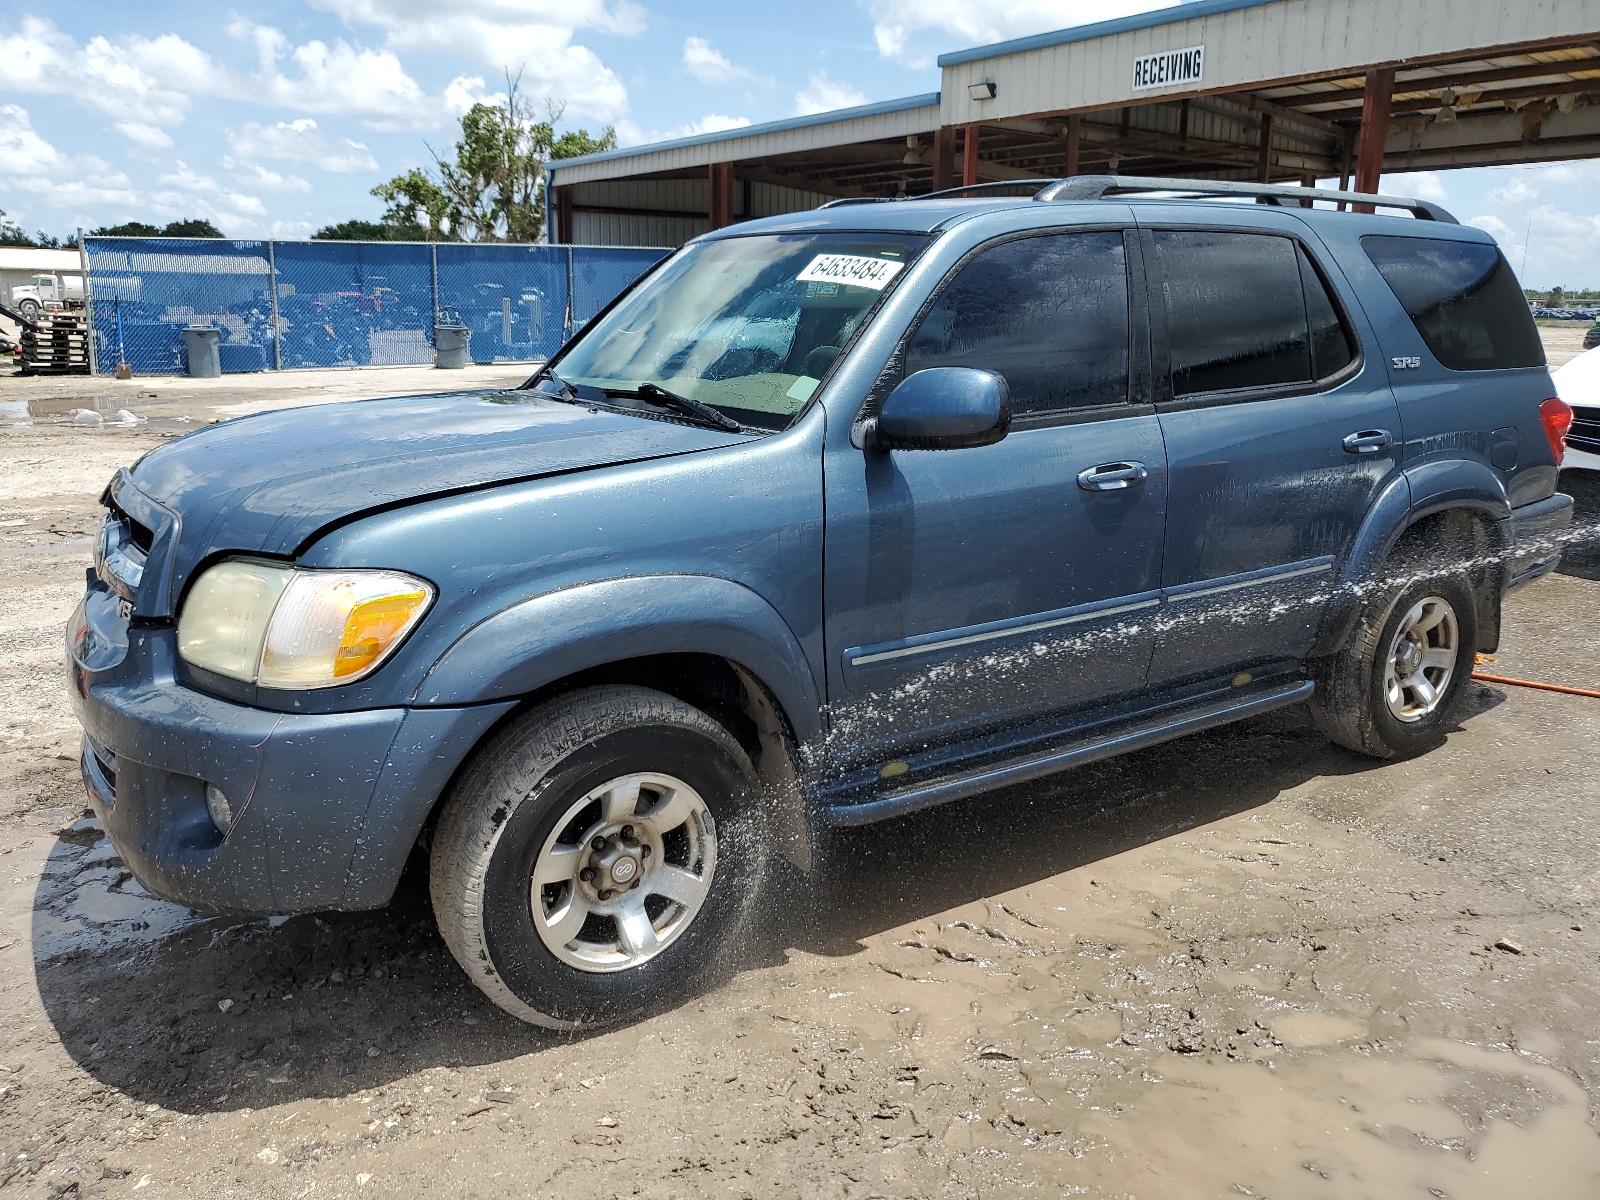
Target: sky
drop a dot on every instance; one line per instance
(273, 119)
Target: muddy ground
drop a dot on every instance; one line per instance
(1242, 964)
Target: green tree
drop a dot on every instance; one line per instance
(491, 188)
(194, 227)
(415, 202)
(370, 231)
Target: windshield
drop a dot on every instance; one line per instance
(748, 325)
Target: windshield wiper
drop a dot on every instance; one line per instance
(654, 394)
(568, 392)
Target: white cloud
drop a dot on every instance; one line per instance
(1418, 185)
(899, 25)
(1517, 191)
(149, 81)
(34, 167)
(338, 78)
(21, 148)
(145, 136)
(186, 190)
(302, 143)
(822, 94)
(629, 134)
(710, 65)
(255, 175)
(1497, 229)
(534, 37)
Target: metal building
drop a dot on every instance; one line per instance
(1262, 90)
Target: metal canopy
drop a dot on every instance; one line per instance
(1291, 91)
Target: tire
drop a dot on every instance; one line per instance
(1362, 704)
(29, 309)
(664, 788)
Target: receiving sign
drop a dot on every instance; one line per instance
(855, 270)
(1168, 68)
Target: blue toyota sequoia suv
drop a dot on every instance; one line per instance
(830, 517)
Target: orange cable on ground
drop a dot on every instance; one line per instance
(1529, 683)
(1480, 659)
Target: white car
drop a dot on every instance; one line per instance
(1578, 383)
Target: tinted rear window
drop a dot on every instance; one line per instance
(1463, 299)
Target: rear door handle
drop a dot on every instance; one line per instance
(1112, 477)
(1368, 441)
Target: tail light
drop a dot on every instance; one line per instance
(1556, 414)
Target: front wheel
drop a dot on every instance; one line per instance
(1394, 690)
(599, 857)
(29, 309)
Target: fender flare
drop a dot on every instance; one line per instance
(537, 641)
(1411, 495)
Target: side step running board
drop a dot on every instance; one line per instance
(1035, 766)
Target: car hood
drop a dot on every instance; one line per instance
(268, 483)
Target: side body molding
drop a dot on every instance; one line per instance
(1418, 491)
(538, 641)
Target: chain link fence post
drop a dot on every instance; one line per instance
(272, 291)
(88, 304)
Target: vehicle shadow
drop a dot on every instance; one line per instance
(221, 1015)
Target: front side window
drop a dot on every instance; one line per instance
(748, 325)
(1049, 313)
(1463, 299)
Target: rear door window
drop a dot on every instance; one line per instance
(1050, 313)
(1236, 313)
(1463, 299)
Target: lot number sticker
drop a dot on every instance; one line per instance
(856, 270)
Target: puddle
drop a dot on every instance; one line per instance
(113, 413)
(1434, 1119)
(1303, 1030)
(88, 901)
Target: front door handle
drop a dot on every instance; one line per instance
(1112, 477)
(1368, 441)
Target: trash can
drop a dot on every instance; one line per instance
(450, 344)
(200, 349)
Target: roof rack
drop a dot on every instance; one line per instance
(1098, 187)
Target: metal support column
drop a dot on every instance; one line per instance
(1375, 104)
(720, 181)
(969, 156)
(1074, 142)
(272, 291)
(88, 304)
(944, 157)
(1264, 151)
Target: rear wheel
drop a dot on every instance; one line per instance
(600, 857)
(1393, 691)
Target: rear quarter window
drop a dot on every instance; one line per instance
(1463, 299)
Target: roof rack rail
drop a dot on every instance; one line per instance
(847, 200)
(1097, 187)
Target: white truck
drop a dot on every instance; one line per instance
(47, 293)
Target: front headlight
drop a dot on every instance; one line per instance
(283, 627)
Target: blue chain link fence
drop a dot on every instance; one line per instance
(285, 305)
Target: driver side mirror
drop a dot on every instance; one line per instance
(942, 408)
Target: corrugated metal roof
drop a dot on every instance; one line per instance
(850, 123)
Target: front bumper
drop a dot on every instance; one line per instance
(1539, 530)
(326, 807)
